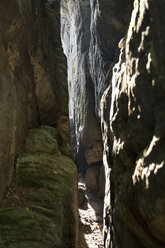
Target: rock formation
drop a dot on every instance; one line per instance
(40, 209)
(133, 121)
(121, 54)
(90, 33)
(33, 81)
(115, 57)
(75, 32)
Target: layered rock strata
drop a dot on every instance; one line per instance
(40, 209)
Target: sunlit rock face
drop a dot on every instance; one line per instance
(33, 84)
(133, 123)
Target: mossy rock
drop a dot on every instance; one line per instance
(46, 180)
(25, 227)
(39, 140)
(51, 130)
(61, 142)
(65, 150)
(44, 170)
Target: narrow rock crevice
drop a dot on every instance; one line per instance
(106, 58)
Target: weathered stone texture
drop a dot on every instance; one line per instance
(109, 20)
(40, 209)
(92, 177)
(17, 90)
(33, 87)
(134, 134)
(90, 33)
(86, 134)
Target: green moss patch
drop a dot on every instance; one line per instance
(39, 213)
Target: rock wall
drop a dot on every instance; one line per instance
(90, 32)
(38, 178)
(90, 38)
(33, 86)
(75, 32)
(133, 134)
(109, 20)
(111, 51)
(33, 91)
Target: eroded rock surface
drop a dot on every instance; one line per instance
(33, 84)
(33, 91)
(90, 34)
(76, 35)
(134, 134)
(40, 209)
(91, 178)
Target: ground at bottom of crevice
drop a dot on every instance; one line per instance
(90, 219)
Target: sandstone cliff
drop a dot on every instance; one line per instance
(39, 208)
(115, 59)
(133, 134)
(33, 81)
(75, 31)
(121, 54)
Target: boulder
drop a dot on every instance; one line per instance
(41, 211)
(93, 152)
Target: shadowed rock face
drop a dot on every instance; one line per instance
(109, 20)
(133, 134)
(17, 89)
(33, 87)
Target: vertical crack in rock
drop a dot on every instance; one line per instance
(96, 63)
(76, 36)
